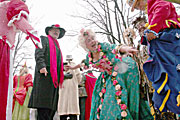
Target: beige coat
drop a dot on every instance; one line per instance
(68, 95)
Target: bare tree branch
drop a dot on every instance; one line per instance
(116, 4)
(109, 21)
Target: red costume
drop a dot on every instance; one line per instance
(13, 17)
(89, 85)
(161, 15)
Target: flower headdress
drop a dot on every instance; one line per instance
(23, 70)
(85, 34)
(24, 65)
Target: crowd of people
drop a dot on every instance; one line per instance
(59, 86)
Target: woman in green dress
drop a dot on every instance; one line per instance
(116, 94)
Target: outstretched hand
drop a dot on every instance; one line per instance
(129, 50)
(67, 67)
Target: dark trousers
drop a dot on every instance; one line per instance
(82, 101)
(45, 114)
(72, 117)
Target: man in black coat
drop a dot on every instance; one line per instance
(48, 74)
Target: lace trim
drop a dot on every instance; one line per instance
(17, 17)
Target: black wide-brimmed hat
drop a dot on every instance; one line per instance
(62, 30)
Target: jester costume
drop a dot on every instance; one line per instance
(13, 17)
(116, 93)
(162, 66)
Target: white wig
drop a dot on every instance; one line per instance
(84, 35)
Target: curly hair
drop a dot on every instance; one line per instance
(139, 19)
(84, 35)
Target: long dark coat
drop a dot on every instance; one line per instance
(44, 94)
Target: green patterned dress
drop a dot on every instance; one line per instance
(116, 94)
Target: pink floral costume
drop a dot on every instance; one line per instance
(116, 93)
(13, 17)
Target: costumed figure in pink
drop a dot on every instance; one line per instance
(22, 87)
(13, 17)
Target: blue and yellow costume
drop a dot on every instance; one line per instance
(162, 66)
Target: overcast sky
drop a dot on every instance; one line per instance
(44, 13)
(47, 12)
